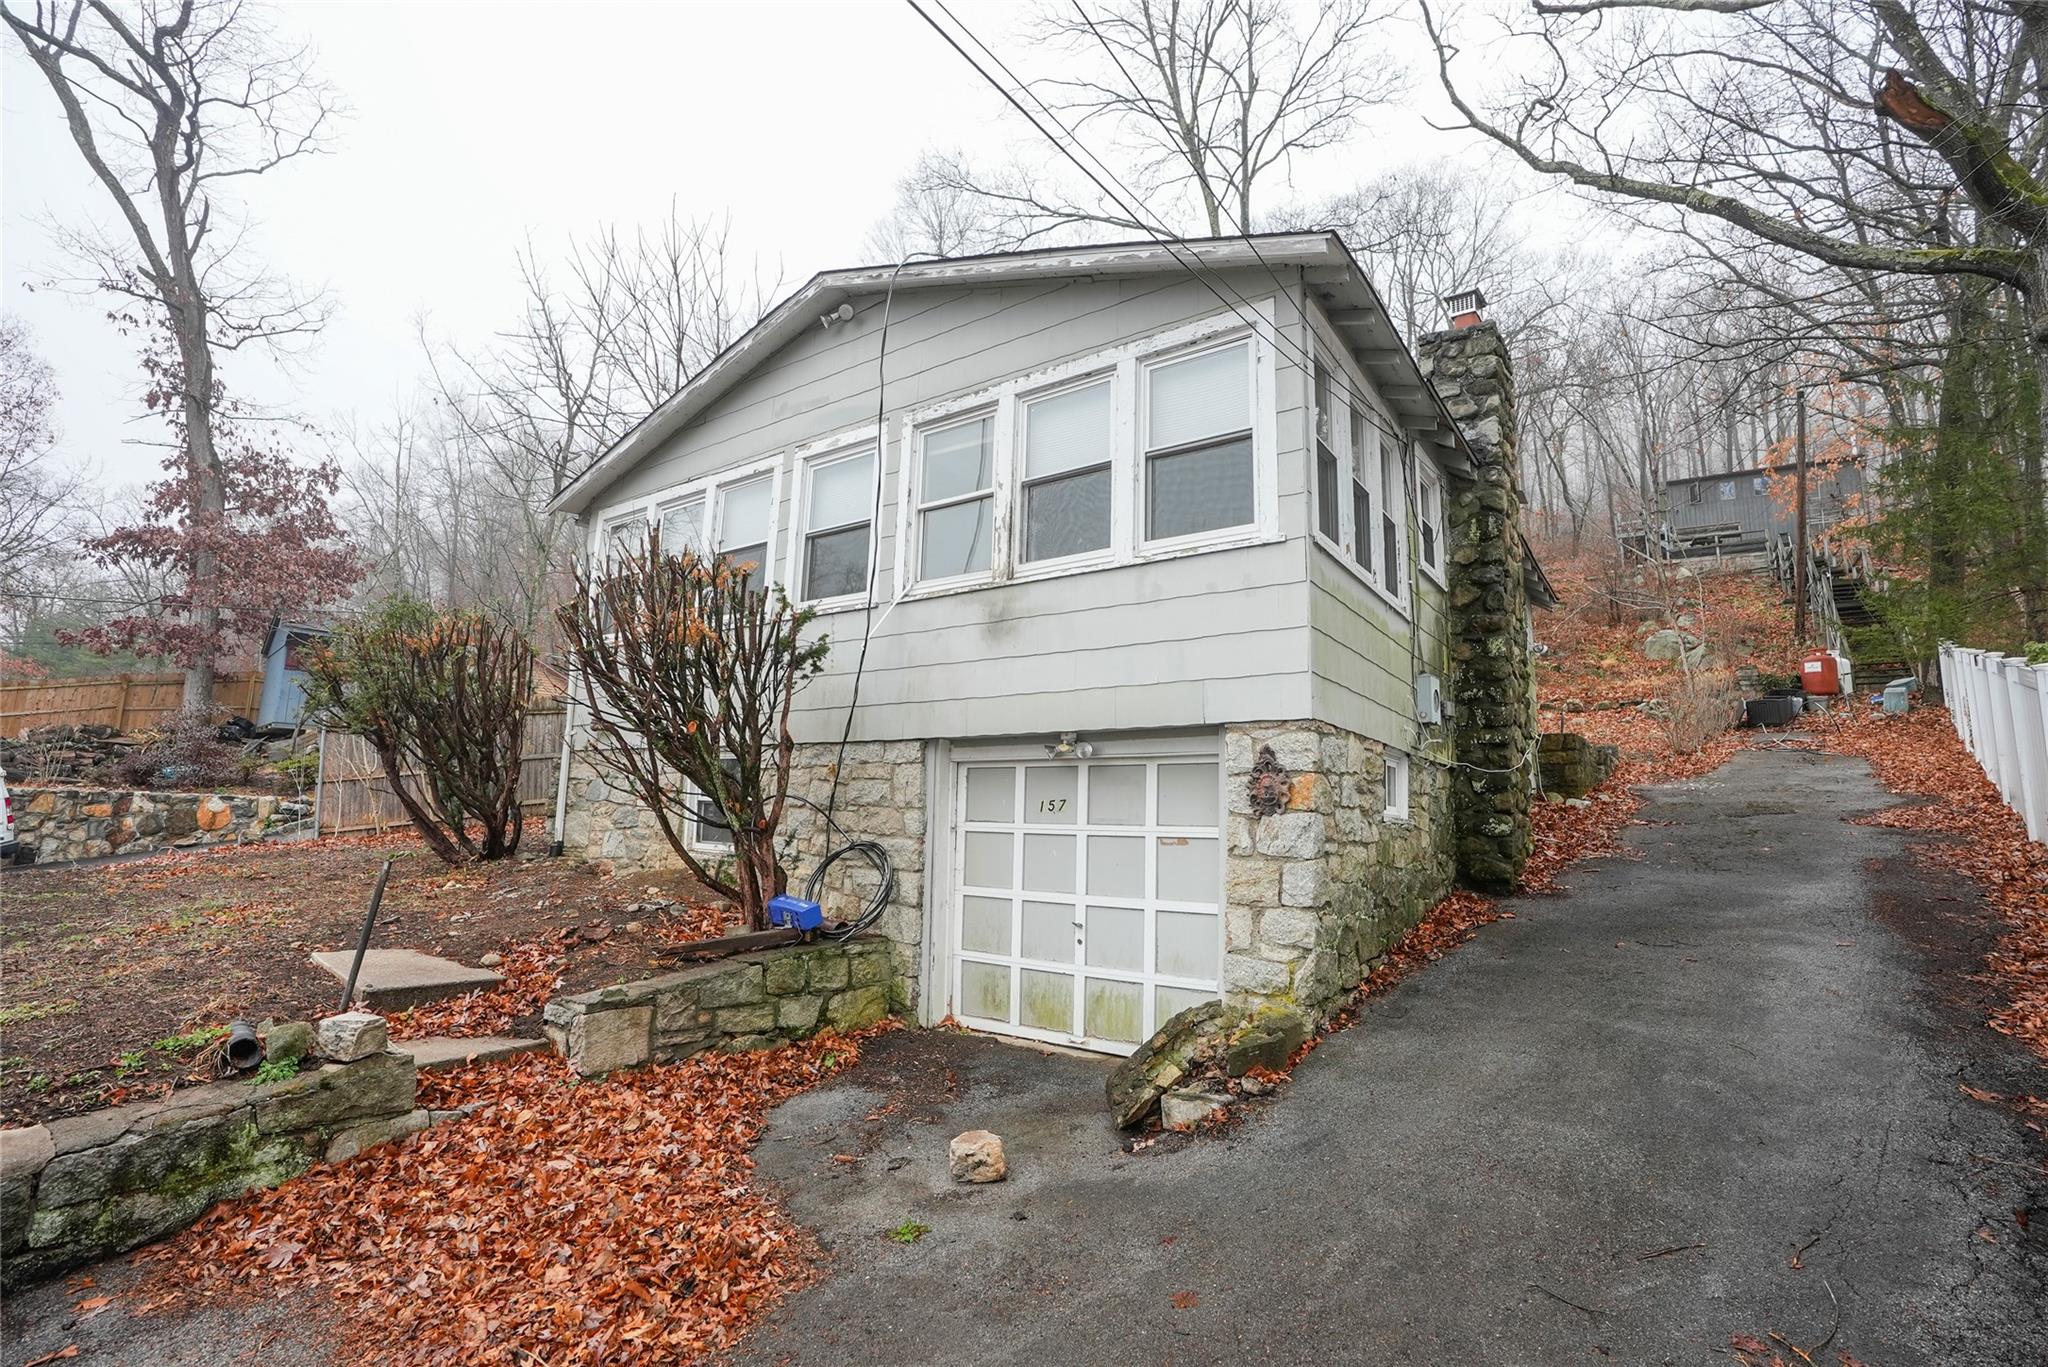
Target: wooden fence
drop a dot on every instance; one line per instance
(353, 798)
(129, 702)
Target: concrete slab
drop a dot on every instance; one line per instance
(439, 1051)
(393, 979)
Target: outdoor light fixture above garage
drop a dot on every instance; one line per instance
(1070, 746)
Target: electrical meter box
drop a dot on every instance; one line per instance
(1429, 700)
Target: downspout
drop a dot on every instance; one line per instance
(558, 845)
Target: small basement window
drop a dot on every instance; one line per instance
(1396, 786)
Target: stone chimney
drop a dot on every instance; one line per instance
(1492, 686)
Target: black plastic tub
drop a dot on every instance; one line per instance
(1771, 711)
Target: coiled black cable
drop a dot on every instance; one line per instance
(885, 888)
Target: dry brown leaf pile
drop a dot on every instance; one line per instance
(562, 1222)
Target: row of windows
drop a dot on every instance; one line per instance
(1360, 491)
(1127, 456)
(1180, 424)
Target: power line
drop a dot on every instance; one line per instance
(1299, 358)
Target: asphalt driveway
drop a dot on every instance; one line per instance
(1711, 1091)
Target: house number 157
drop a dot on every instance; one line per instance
(1052, 804)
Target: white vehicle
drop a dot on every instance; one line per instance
(9, 846)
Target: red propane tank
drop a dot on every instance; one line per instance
(1818, 674)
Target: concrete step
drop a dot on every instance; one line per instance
(441, 1051)
(393, 979)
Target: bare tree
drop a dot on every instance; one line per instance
(455, 492)
(37, 501)
(934, 216)
(170, 103)
(1871, 136)
(1204, 102)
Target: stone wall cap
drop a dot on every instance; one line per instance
(25, 1150)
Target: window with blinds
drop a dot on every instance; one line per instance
(1198, 443)
(1067, 454)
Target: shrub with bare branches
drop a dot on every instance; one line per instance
(689, 672)
(442, 698)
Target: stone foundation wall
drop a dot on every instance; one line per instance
(881, 798)
(82, 823)
(750, 1001)
(85, 1187)
(1318, 882)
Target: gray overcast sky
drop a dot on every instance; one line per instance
(476, 126)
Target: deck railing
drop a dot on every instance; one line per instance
(1999, 704)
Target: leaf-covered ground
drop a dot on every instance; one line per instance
(561, 1222)
(111, 975)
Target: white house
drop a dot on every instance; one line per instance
(1151, 575)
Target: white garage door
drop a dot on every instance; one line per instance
(1087, 906)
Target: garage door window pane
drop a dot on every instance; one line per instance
(1114, 1010)
(1116, 794)
(988, 859)
(1171, 1001)
(1049, 932)
(1187, 795)
(985, 925)
(1047, 1000)
(1116, 938)
(1048, 863)
(1116, 866)
(1187, 945)
(991, 795)
(985, 991)
(1187, 870)
(1049, 795)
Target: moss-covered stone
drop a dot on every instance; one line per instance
(1135, 1085)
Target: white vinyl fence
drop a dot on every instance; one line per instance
(1999, 704)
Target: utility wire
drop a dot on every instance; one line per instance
(1176, 245)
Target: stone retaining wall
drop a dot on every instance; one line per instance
(82, 823)
(85, 1187)
(1318, 882)
(750, 1001)
(1573, 766)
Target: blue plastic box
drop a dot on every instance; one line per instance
(795, 913)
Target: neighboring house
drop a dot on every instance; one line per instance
(1177, 561)
(284, 674)
(1737, 512)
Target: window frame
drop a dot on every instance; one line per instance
(648, 506)
(912, 445)
(808, 459)
(1079, 560)
(1005, 399)
(1143, 455)
(1351, 387)
(1398, 769)
(693, 826)
(1428, 480)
